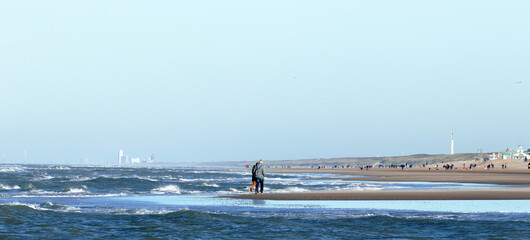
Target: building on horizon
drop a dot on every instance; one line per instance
(124, 159)
(517, 154)
(120, 156)
(135, 160)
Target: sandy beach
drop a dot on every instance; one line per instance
(513, 184)
(478, 175)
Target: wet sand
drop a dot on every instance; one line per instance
(516, 185)
(457, 194)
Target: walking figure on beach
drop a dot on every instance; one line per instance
(253, 177)
(259, 174)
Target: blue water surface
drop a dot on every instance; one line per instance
(74, 202)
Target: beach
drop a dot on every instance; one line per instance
(506, 184)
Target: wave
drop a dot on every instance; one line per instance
(44, 194)
(204, 179)
(101, 178)
(174, 189)
(6, 187)
(69, 192)
(207, 171)
(42, 178)
(190, 180)
(81, 179)
(76, 190)
(58, 168)
(209, 185)
(12, 169)
(105, 179)
(49, 206)
(169, 178)
(148, 178)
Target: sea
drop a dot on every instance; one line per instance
(102, 202)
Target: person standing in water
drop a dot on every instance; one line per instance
(259, 174)
(253, 177)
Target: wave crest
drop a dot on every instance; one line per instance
(7, 187)
(174, 189)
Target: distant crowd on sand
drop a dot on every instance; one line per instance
(406, 166)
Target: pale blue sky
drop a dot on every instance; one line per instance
(243, 80)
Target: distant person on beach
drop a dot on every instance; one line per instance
(259, 174)
(253, 177)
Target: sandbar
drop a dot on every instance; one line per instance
(515, 185)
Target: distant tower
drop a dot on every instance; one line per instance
(120, 156)
(452, 142)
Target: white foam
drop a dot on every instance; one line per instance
(50, 195)
(189, 180)
(194, 192)
(278, 179)
(41, 192)
(141, 211)
(6, 187)
(145, 178)
(71, 192)
(48, 206)
(168, 177)
(33, 206)
(167, 189)
(209, 185)
(42, 178)
(76, 190)
(59, 168)
(81, 179)
(11, 169)
(201, 180)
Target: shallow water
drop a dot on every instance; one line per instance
(65, 202)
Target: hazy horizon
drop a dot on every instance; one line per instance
(239, 80)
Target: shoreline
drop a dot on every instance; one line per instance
(516, 181)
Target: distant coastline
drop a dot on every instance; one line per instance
(416, 160)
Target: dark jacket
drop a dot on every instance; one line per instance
(253, 172)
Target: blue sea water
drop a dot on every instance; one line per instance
(73, 202)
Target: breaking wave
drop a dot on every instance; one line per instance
(11, 169)
(6, 187)
(174, 189)
(209, 185)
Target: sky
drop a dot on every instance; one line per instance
(246, 80)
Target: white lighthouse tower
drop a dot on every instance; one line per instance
(452, 142)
